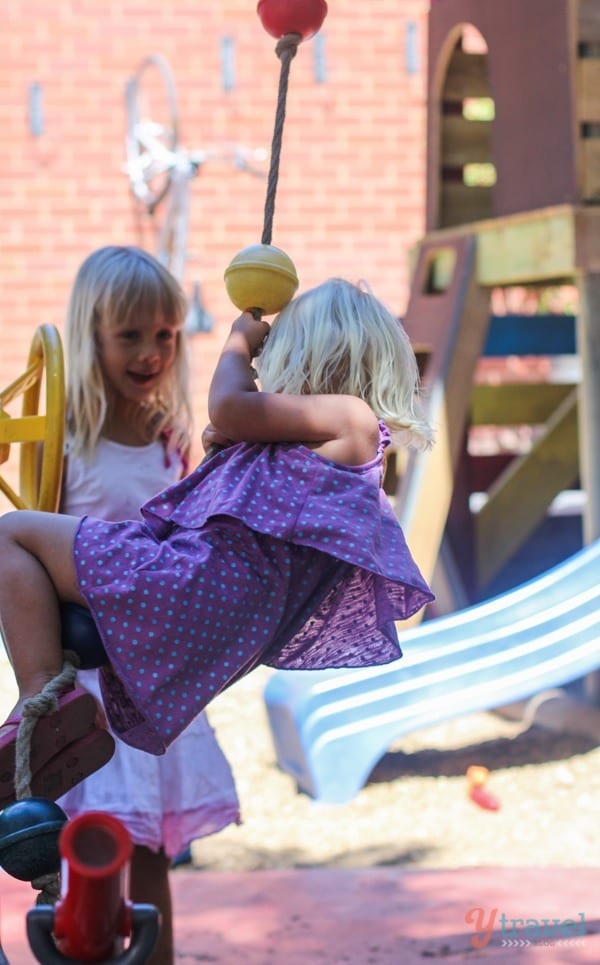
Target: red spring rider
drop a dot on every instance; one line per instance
(93, 917)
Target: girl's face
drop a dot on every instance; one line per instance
(135, 357)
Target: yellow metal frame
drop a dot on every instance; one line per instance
(41, 437)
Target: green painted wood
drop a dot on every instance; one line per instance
(551, 244)
(516, 404)
(520, 498)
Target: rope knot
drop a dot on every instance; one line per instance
(48, 887)
(39, 706)
(288, 44)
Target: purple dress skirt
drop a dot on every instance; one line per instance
(265, 554)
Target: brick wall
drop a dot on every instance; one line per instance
(350, 197)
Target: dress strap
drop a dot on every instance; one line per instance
(385, 437)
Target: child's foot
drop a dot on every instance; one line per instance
(74, 719)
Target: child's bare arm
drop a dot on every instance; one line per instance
(342, 427)
(234, 375)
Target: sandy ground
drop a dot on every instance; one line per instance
(415, 811)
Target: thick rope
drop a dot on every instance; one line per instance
(48, 887)
(46, 702)
(286, 51)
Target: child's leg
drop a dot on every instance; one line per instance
(150, 885)
(37, 570)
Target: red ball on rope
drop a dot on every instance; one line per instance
(281, 17)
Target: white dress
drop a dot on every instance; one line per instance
(189, 792)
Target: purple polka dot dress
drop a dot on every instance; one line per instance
(264, 554)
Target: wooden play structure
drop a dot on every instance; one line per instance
(535, 221)
(513, 199)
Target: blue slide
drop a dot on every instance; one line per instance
(330, 727)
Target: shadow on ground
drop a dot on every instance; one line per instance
(534, 746)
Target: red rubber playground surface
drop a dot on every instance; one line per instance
(379, 916)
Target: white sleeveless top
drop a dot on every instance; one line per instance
(118, 480)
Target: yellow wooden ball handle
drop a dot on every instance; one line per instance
(261, 278)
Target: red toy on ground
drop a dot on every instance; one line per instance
(477, 777)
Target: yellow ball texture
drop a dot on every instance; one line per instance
(262, 277)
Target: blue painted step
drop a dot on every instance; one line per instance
(530, 335)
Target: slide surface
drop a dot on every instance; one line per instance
(330, 727)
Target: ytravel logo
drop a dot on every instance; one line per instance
(521, 932)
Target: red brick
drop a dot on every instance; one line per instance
(351, 189)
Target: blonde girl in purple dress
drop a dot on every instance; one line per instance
(128, 435)
(281, 549)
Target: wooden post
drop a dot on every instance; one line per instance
(588, 346)
(447, 315)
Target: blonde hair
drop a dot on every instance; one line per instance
(339, 339)
(114, 284)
